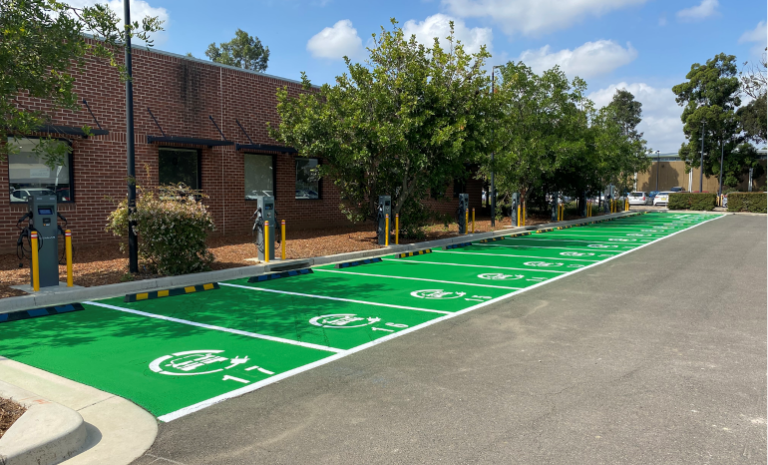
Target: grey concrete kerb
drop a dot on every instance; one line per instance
(65, 296)
(47, 433)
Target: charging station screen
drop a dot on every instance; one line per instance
(45, 211)
(268, 207)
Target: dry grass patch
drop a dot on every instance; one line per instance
(10, 411)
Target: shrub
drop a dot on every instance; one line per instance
(172, 225)
(754, 202)
(691, 201)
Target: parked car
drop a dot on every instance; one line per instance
(661, 199)
(677, 189)
(638, 198)
(652, 194)
(21, 195)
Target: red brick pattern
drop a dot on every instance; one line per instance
(181, 93)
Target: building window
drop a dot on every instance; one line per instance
(307, 179)
(259, 176)
(29, 175)
(179, 166)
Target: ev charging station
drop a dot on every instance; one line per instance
(515, 204)
(42, 229)
(265, 211)
(461, 213)
(384, 209)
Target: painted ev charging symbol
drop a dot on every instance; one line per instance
(201, 362)
(603, 246)
(577, 254)
(351, 320)
(500, 276)
(342, 320)
(434, 294)
(621, 239)
(543, 264)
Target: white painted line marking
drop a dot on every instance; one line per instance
(217, 328)
(239, 380)
(260, 369)
(515, 256)
(252, 387)
(415, 279)
(481, 266)
(338, 299)
(547, 239)
(583, 249)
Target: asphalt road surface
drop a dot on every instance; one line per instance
(657, 357)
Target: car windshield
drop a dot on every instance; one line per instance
(637, 194)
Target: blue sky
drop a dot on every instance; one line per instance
(645, 46)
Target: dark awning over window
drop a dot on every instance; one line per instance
(269, 148)
(189, 140)
(71, 130)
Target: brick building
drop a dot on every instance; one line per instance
(188, 98)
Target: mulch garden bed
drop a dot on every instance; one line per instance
(10, 411)
(95, 266)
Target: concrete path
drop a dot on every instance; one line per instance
(656, 357)
(117, 430)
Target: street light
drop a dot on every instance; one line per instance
(658, 168)
(701, 166)
(493, 178)
(133, 247)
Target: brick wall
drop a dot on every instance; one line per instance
(182, 93)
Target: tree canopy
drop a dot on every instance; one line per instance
(243, 51)
(42, 46)
(403, 123)
(710, 98)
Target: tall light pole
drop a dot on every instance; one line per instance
(720, 183)
(133, 255)
(701, 166)
(658, 168)
(493, 156)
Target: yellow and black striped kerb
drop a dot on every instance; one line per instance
(413, 254)
(493, 239)
(170, 292)
(520, 234)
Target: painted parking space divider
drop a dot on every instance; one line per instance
(170, 292)
(457, 246)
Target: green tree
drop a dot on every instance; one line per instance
(627, 112)
(42, 46)
(243, 51)
(403, 123)
(538, 130)
(753, 119)
(710, 99)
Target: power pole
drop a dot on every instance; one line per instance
(133, 246)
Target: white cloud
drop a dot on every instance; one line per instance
(589, 60)
(532, 17)
(661, 123)
(705, 9)
(439, 26)
(139, 10)
(758, 34)
(336, 42)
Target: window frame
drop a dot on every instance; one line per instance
(274, 172)
(295, 180)
(199, 164)
(71, 160)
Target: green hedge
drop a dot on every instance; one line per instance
(688, 201)
(747, 202)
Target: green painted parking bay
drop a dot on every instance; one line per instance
(444, 274)
(382, 291)
(563, 244)
(543, 268)
(480, 249)
(325, 323)
(162, 366)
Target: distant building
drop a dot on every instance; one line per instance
(670, 170)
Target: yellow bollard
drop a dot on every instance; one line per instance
(266, 241)
(473, 221)
(466, 222)
(519, 208)
(68, 244)
(523, 213)
(35, 263)
(397, 228)
(386, 230)
(282, 242)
